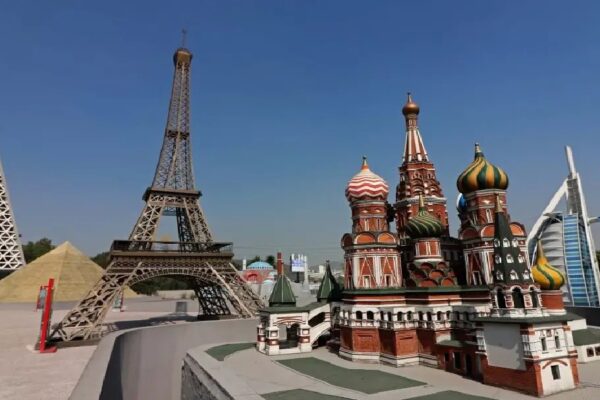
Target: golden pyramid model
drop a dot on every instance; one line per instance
(73, 272)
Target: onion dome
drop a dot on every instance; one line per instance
(424, 225)
(481, 174)
(548, 277)
(410, 107)
(366, 185)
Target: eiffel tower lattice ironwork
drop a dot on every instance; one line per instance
(11, 252)
(195, 255)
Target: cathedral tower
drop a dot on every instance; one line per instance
(417, 176)
(371, 250)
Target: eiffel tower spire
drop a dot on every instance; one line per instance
(173, 189)
(11, 252)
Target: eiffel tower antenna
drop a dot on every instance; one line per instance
(183, 37)
(195, 256)
(11, 252)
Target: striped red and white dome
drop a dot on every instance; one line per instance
(366, 185)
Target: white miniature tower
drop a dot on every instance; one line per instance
(11, 252)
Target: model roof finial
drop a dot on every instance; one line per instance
(364, 165)
(410, 108)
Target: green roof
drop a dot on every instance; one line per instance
(586, 336)
(451, 343)
(282, 294)
(329, 288)
(404, 290)
(528, 320)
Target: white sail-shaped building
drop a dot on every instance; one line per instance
(567, 240)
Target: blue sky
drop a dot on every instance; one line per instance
(286, 98)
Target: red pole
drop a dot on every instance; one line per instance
(46, 319)
(279, 264)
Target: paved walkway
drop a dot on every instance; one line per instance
(27, 375)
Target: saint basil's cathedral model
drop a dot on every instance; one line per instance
(470, 305)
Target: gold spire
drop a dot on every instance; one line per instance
(421, 201)
(477, 149)
(540, 257)
(364, 163)
(410, 108)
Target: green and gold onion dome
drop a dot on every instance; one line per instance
(548, 277)
(424, 225)
(481, 174)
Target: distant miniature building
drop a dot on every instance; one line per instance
(567, 236)
(470, 305)
(258, 272)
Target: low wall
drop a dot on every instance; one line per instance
(203, 377)
(146, 363)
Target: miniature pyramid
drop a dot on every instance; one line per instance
(73, 272)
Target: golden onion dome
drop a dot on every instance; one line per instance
(424, 225)
(410, 107)
(182, 55)
(481, 174)
(548, 277)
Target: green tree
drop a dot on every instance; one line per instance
(33, 250)
(256, 258)
(271, 259)
(102, 259)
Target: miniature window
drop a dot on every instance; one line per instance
(428, 315)
(439, 316)
(510, 259)
(513, 275)
(521, 258)
(544, 345)
(515, 243)
(598, 351)
(359, 315)
(488, 214)
(526, 274)
(496, 243)
(400, 315)
(505, 242)
(367, 282)
(499, 275)
(590, 352)
(457, 360)
(557, 342)
(388, 280)
(555, 372)
(370, 315)
(498, 259)
(409, 315)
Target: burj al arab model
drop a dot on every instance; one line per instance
(567, 240)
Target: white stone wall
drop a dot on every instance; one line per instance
(503, 344)
(565, 382)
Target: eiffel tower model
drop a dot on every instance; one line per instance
(11, 252)
(195, 256)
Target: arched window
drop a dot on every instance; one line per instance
(420, 315)
(499, 275)
(498, 259)
(439, 316)
(509, 259)
(521, 258)
(381, 315)
(513, 275)
(428, 315)
(505, 242)
(448, 314)
(526, 274)
(500, 299)
(409, 316)
(534, 299)
(515, 243)
(496, 243)
(389, 315)
(370, 315)
(456, 316)
(400, 315)
(359, 315)
(518, 300)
